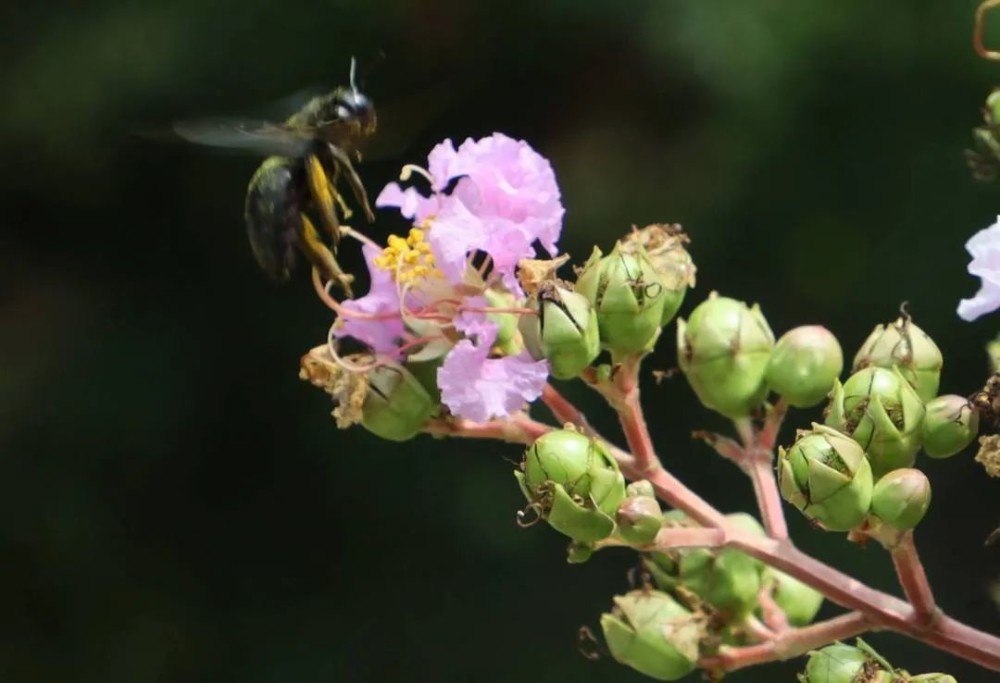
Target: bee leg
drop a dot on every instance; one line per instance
(342, 158)
(325, 196)
(321, 256)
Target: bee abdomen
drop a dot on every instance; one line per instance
(273, 201)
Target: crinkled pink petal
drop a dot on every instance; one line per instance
(410, 203)
(383, 335)
(454, 234)
(479, 388)
(984, 247)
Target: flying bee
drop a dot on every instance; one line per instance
(310, 153)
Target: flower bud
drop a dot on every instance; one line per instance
(799, 602)
(578, 553)
(654, 634)
(506, 322)
(628, 295)
(825, 475)
(804, 365)
(949, 426)
(664, 246)
(724, 349)
(905, 346)
(640, 487)
(901, 498)
(639, 519)
(882, 412)
(841, 663)
(564, 331)
(396, 406)
(574, 484)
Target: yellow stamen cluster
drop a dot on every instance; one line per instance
(408, 259)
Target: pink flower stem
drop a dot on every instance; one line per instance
(518, 428)
(913, 579)
(790, 643)
(758, 462)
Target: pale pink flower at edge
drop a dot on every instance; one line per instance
(984, 247)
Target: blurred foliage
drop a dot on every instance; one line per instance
(175, 505)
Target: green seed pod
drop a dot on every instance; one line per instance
(799, 602)
(396, 406)
(639, 519)
(664, 246)
(628, 295)
(578, 553)
(574, 483)
(564, 331)
(654, 634)
(905, 346)
(949, 426)
(841, 663)
(640, 487)
(901, 498)
(825, 475)
(804, 365)
(880, 410)
(728, 580)
(506, 322)
(723, 350)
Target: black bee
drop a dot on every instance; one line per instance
(311, 152)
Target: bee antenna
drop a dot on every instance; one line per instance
(354, 68)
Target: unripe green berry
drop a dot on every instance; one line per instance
(396, 406)
(574, 483)
(628, 295)
(654, 634)
(901, 498)
(949, 426)
(664, 247)
(903, 345)
(564, 331)
(804, 365)
(723, 349)
(880, 410)
(825, 475)
(841, 663)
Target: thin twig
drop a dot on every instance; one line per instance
(913, 579)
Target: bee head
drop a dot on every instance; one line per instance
(353, 105)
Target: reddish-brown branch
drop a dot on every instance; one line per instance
(788, 644)
(913, 579)
(565, 411)
(519, 428)
(765, 487)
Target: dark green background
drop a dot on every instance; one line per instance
(175, 505)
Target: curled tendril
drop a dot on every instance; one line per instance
(977, 31)
(588, 645)
(529, 516)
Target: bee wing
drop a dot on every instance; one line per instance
(256, 137)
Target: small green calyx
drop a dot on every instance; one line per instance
(397, 405)
(825, 475)
(799, 602)
(628, 295)
(804, 365)
(724, 349)
(841, 663)
(949, 426)
(564, 331)
(639, 519)
(664, 246)
(572, 482)
(880, 410)
(654, 634)
(901, 498)
(905, 346)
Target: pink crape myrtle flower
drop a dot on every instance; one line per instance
(479, 388)
(427, 303)
(985, 249)
(505, 200)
